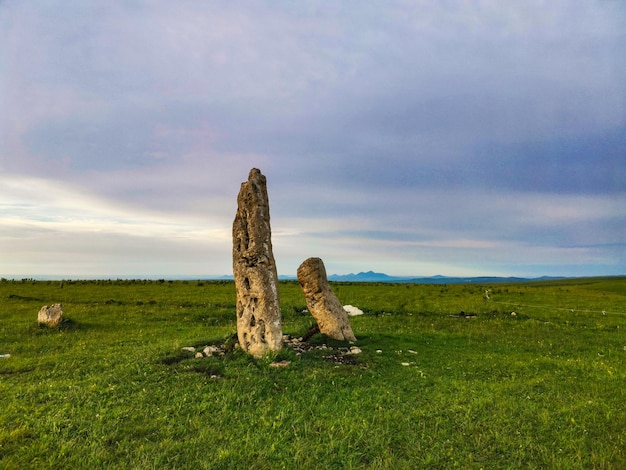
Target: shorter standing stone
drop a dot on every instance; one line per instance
(323, 304)
(50, 316)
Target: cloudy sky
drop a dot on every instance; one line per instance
(408, 137)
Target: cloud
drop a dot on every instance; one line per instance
(51, 228)
(509, 233)
(475, 136)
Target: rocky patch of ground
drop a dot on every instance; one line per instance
(347, 354)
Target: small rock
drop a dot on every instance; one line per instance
(379, 351)
(5, 355)
(188, 349)
(513, 314)
(354, 350)
(50, 316)
(199, 355)
(411, 351)
(352, 311)
(405, 363)
(209, 350)
(280, 364)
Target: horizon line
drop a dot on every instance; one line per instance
(226, 277)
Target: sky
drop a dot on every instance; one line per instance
(409, 137)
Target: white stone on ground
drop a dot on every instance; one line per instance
(352, 310)
(209, 350)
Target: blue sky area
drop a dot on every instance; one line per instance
(412, 138)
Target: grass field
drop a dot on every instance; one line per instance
(447, 378)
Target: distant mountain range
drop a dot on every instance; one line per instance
(371, 276)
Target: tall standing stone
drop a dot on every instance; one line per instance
(323, 304)
(259, 327)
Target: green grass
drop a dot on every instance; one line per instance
(433, 388)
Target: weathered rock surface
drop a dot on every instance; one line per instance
(323, 304)
(259, 327)
(51, 316)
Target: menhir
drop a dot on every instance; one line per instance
(259, 326)
(323, 304)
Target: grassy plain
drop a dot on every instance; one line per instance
(448, 377)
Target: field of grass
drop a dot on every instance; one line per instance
(447, 378)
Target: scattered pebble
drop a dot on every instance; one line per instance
(8, 355)
(380, 351)
(205, 351)
(513, 314)
(411, 351)
(209, 350)
(341, 355)
(280, 364)
(405, 363)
